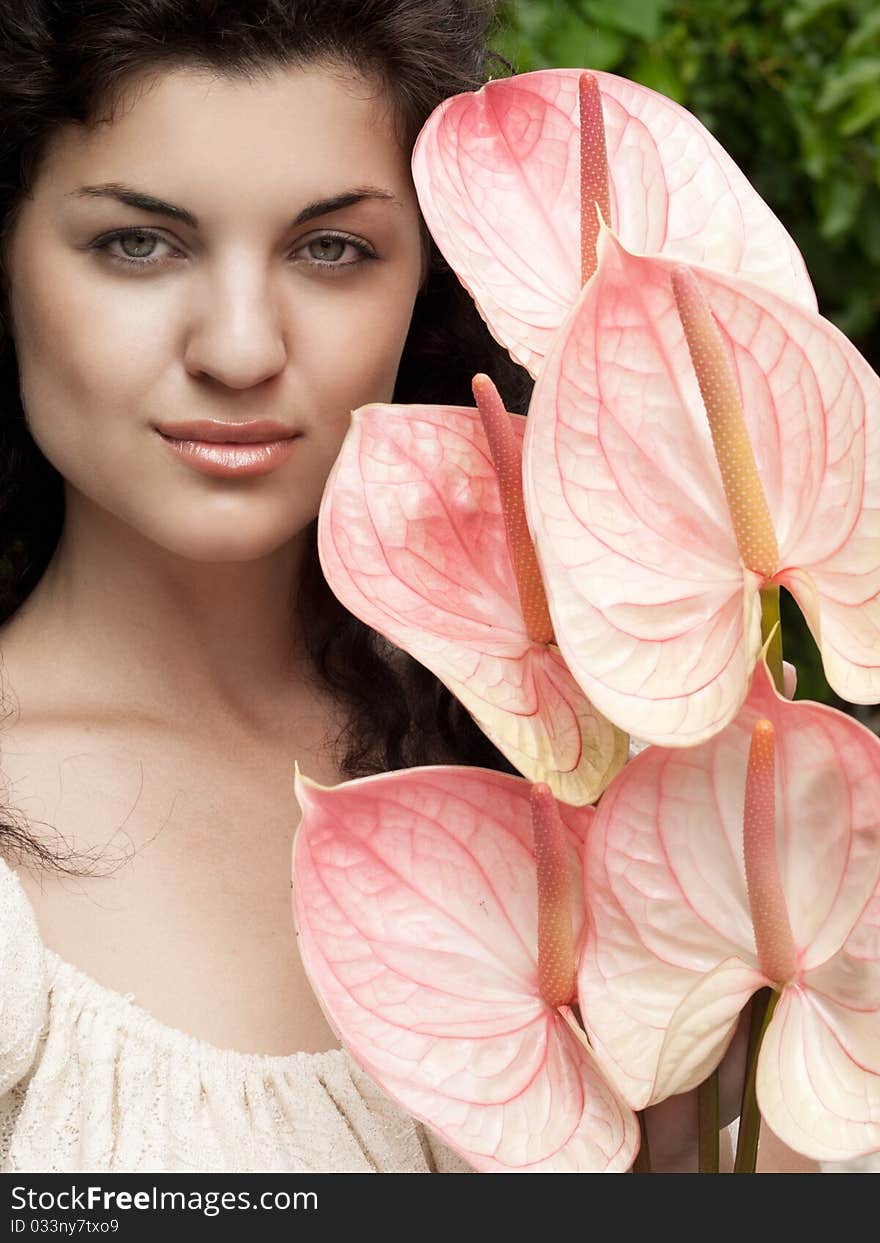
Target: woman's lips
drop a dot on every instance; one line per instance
(233, 459)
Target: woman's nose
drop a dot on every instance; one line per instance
(236, 333)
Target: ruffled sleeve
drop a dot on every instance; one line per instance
(23, 981)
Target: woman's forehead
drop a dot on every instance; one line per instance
(304, 126)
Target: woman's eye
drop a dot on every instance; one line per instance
(137, 247)
(327, 250)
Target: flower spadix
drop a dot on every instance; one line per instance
(692, 439)
(416, 903)
(751, 860)
(422, 535)
(556, 951)
(512, 179)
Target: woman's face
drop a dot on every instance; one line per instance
(235, 314)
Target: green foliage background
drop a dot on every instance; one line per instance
(792, 91)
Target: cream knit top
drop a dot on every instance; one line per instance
(90, 1082)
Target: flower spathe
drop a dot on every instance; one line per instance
(415, 900)
(672, 957)
(653, 605)
(499, 177)
(412, 540)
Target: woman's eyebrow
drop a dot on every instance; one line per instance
(149, 203)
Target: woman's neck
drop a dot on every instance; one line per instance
(119, 620)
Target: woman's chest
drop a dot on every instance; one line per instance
(188, 904)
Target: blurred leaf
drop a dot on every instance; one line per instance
(661, 75)
(841, 86)
(516, 48)
(632, 17)
(535, 17)
(856, 317)
(818, 148)
(838, 202)
(867, 31)
(865, 108)
(574, 43)
(803, 11)
(869, 234)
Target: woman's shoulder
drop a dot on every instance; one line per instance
(23, 982)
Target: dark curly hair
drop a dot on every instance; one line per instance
(65, 61)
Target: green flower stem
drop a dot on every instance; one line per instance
(709, 1139)
(769, 619)
(642, 1163)
(763, 1005)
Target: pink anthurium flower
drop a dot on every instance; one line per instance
(421, 927)
(422, 535)
(692, 440)
(510, 177)
(751, 860)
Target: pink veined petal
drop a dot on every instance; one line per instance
(807, 396)
(411, 539)
(651, 606)
(856, 1027)
(851, 978)
(619, 469)
(666, 892)
(828, 816)
(703, 1026)
(813, 408)
(843, 613)
(850, 574)
(670, 834)
(568, 1111)
(497, 172)
(810, 1090)
(664, 877)
(415, 902)
(845, 573)
(564, 741)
